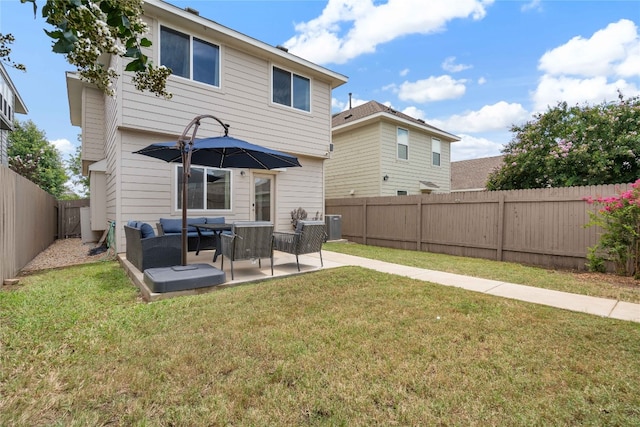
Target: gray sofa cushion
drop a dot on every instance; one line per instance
(174, 225)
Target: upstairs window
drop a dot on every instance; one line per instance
(435, 151)
(291, 89)
(403, 144)
(190, 57)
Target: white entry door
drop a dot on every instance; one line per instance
(263, 197)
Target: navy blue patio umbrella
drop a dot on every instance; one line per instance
(219, 152)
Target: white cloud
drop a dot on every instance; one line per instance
(497, 117)
(344, 105)
(450, 65)
(617, 47)
(591, 70)
(404, 72)
(594, 90)
(349, 28)
(65, 147)
(482, 81)
(414, 112)
(430, 89)
(533, 5)
(470, 147)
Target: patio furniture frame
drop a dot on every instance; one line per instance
(308, 238)
(157, 251)
(248, 240)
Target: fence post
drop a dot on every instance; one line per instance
(500, 224)
(364, 222)
(419, 226)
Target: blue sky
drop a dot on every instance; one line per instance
(469, 67)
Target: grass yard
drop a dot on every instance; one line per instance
(584, 283)
(344, 346)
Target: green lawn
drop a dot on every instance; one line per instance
(594, 284)
(345, 346)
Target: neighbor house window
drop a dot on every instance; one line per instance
(291, 89)
(401, 192)
(207, 189)
(190, 57)
(403, 144)
(435, 151)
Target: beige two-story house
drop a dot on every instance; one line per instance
(378, 151)
(268, 97)
(10, 104)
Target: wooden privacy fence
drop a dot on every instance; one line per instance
(31, 219)
(544, 227)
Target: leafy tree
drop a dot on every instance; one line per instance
(571, 146)
(83, 30)
(74, 165)
(35, 158)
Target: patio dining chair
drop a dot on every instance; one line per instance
(248, 240)
(308, 238)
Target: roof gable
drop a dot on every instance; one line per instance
(373, 110)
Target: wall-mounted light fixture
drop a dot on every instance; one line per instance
(243, 173)
(385, 178)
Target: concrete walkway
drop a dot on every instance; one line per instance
(593, 305)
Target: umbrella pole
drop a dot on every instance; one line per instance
(185, 177)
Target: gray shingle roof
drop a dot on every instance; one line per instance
(472, 174)
(374, 107)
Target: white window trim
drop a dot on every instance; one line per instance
(290, 107)
(174, 193)
(191, 36)
(398, 128)
(433, 151)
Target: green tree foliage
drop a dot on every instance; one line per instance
(572, 146)
(85, 30)
(35, 158)
(74, 165)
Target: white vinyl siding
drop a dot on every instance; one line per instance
(245, 104)
(142, 188)
(354, 164)
(93, 134)
(407, 174)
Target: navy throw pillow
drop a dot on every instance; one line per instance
(146, 230)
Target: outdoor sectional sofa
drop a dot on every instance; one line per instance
(173, 226)
(146, 250)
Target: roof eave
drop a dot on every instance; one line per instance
(19, 106)
(74, 96)
(384, 115)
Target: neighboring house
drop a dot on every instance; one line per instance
(378, 151)
(267, 96)
(10, 103)
(472, 175)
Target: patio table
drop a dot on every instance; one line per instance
(217, 230)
